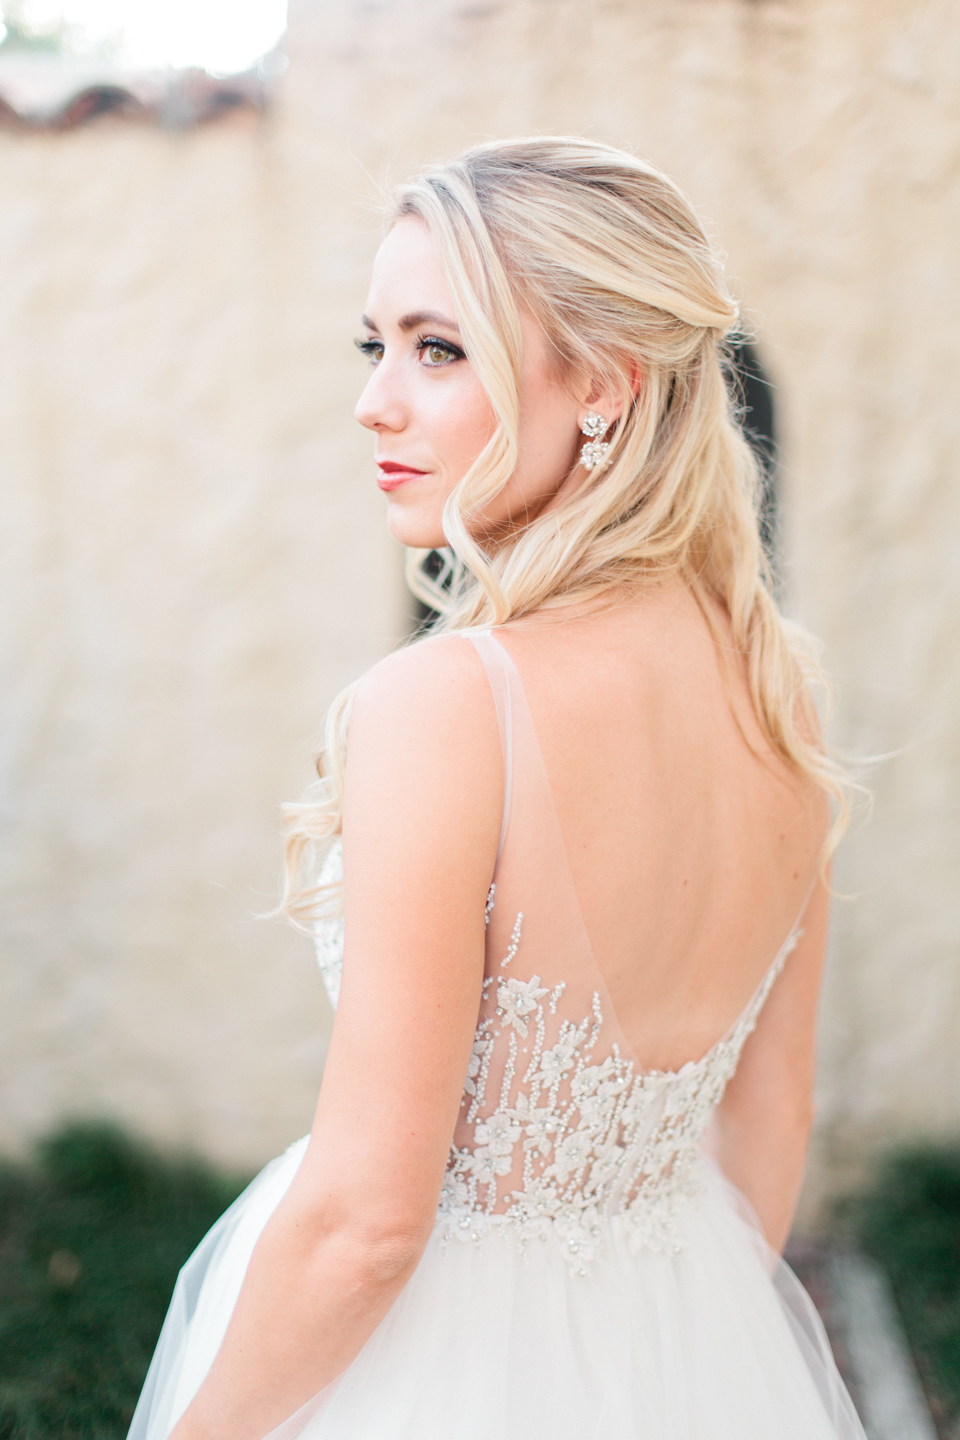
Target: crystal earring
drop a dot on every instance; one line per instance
(594, 452)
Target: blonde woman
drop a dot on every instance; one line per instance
(584, 828)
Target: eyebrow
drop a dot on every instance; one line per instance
(415, 319)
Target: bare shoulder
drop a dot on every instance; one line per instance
(432, 685)
(423, 727)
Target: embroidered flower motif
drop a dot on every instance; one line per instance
(488, 1166)
(555, 1062)
(605, 1167)
(518, 998)
(477, 1053)
(539, 1125)
(453, 1191)
(579, 1232)
(571, 1154)
(497, 1137)
(499, 1134)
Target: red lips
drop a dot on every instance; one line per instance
(393, 474)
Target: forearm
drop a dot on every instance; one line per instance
(308, 1304)
(764, 1155)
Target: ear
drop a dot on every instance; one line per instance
(607, 400)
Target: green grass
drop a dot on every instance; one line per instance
(92, 1235)
(909, 1221)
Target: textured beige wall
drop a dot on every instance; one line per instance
(194, 562)
(198, 559)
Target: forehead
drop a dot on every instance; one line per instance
(407, 275)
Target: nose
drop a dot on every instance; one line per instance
(381, 405)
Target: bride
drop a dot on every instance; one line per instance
(585, 827)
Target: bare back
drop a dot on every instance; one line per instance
(692, 848)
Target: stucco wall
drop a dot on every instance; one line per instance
(198, 560)
(194, 562)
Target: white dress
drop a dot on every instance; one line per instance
(591, 1275)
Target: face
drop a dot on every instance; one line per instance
(429, 412)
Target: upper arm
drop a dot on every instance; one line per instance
(776, 1070)
(422, 813)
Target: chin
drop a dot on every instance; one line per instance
(417, 532)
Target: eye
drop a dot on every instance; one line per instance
(373, 349)
(435, 352)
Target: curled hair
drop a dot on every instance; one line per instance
(609, 257)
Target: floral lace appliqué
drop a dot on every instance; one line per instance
(591, 1137)
(585, 1134)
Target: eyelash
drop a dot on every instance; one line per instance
(373, 350)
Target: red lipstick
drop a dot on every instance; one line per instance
(393, 475)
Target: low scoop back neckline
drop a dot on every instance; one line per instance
(750, 1012)
(754, 1005)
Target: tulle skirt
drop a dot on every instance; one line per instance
(491, 1340)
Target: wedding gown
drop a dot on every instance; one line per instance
(591, 1275)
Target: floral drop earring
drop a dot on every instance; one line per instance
(594, 452)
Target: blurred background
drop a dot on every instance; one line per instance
(194, 556)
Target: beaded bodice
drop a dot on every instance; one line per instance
(560, 1128)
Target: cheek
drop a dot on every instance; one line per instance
(456, 420)
(461, 424)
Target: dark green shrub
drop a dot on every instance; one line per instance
(91, 1238)
(909, 1221)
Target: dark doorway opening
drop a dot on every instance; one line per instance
(754, 398)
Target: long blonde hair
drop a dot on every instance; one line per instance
(610, 259)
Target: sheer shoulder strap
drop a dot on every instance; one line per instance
(501, 677)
